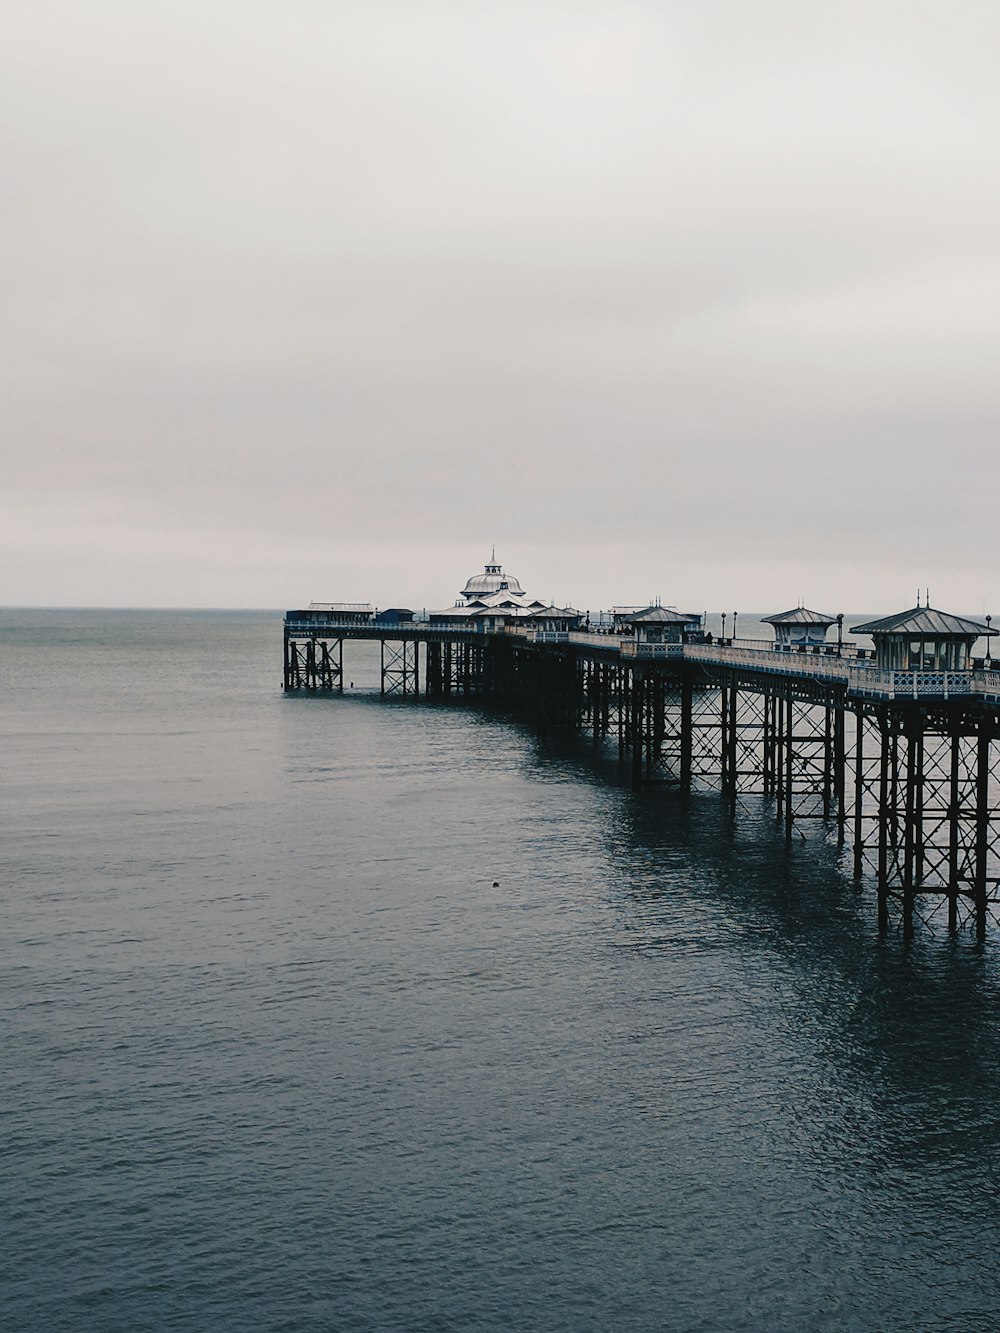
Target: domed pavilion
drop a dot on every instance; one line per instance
(491, 580)
(488, 600)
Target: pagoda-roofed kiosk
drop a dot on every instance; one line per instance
(799, 629)
(924, 640)
(556, 619)
(657, 624)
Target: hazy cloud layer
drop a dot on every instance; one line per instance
(307, 298)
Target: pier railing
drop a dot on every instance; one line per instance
(398, 628)
(848, 666)
(629, 648)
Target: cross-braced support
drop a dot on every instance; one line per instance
(913, 784)
(924, 807)
(314, 664)
(400, 667)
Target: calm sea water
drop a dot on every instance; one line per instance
(280, 1054)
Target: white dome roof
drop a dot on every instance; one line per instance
(493, 579)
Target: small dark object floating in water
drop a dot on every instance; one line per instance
(496, 883)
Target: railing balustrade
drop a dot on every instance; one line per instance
(822, 663)
(629, 648)
(876, 684)
(334, 629)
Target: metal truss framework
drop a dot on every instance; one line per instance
(458, 668)
(314, 664)
(400, 668)
(913, 789)
(926, 801)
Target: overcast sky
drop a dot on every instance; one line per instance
(315, 299)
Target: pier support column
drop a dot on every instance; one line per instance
(636, 728)
(839, 775)
(770, 757)
(954, 808)
(859, 794)
(434, 682)
(727, 736)
(687, 730)
(656, 722)
(983, 742)
(884, 782)
(330, 667)
(777, 754)
(626, 679)
(788, 780)
(912, 826)
(400, 672)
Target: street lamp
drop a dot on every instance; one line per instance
(989, 660)
(734, 627)
(840, 634)
(723, 627)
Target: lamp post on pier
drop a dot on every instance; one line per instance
(723, 627)
(840, 634)
(734, 627)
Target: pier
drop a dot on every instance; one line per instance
(894, 751)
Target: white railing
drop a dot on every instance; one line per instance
(582, 638)
(816, 667)
(910, 684)
(629, 648)
(594, 639)
(333, 628)
(987, 683)
(861, 676)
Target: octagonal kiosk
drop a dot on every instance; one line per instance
(800, 630)
(656, 631)
(657, 624)
(923, 652)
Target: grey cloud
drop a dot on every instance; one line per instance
(708, 289)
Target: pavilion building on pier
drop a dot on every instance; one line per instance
(924, 639)
(494, 599)
(800, 629)
(658, 624)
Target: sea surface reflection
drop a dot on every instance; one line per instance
(335, 1014)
